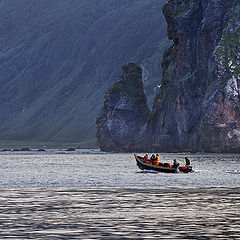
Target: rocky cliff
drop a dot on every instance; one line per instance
(124, 113)
(198, 106)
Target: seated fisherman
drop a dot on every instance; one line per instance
(153, 157)
(156, 160)
(175, 164)
(146, 160)
(187, 162)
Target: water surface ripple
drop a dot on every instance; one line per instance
(33, 170)
(180, 213)
(105, 196)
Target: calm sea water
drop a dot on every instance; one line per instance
(92, 195)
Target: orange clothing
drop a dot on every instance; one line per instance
(156, 161)
(146, 160)
(167, 165)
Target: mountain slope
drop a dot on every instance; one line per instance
(58, 57)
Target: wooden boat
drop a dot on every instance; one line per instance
(146, 166)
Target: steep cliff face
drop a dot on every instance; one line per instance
(198, 107)
(124, 113)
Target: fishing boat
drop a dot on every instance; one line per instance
(160, 168)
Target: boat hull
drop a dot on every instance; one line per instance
(145, 166)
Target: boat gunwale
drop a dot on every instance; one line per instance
(141, 164)
(154, 167)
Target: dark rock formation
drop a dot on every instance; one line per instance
(124, 113)
(25, 149)
(5, 150)
(41, 150)
(198, 106)
(16, 150)
(70, 149)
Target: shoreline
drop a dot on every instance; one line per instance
(48, 145)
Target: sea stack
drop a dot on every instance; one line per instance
(124, 113)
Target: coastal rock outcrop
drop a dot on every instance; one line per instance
(198, 107)
(124, 113)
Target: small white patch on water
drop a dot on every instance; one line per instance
(237, 171)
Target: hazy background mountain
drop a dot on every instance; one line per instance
(58, 57)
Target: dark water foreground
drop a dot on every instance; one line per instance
(93, 195)
(164, 213)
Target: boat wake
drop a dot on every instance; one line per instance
(149, 171)
(198, 170)
(236, 171)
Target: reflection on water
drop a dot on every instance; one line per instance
(165, 213)
(105, 196)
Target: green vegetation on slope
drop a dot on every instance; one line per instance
(227, 51)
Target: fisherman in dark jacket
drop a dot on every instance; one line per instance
(153, 157)
(175, 164)
(188, 164)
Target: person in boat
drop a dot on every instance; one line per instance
(175, 164)
(146, 160)
(153, 157)
(156, 160)
(188, 164)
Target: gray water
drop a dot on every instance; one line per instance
(92, 195)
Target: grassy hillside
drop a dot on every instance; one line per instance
(58, 57)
